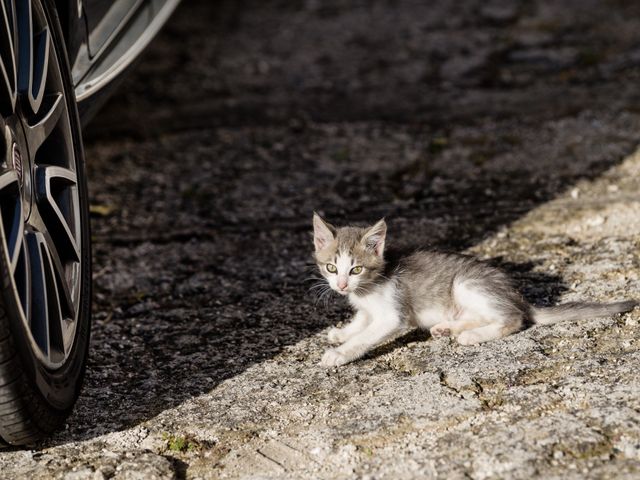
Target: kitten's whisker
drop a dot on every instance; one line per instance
(323, 297)
(316, 287)
(314, 280)
(326, 300)
(320, 291)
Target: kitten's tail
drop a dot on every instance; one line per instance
(579, 310)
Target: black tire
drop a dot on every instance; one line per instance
(41, 371)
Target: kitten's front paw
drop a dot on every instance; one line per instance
(468, 338)
(335, 335)
(440, 330)
(333, 358)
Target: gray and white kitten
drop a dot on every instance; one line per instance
(450, 294)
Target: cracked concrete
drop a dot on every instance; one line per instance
(504, 129)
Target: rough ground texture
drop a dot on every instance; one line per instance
(505, 129)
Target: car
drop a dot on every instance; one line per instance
(59, 61)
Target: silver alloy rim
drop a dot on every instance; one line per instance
(39, 199)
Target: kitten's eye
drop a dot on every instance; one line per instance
(331, 268)
(356, 270)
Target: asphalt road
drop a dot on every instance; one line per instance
(500, 128)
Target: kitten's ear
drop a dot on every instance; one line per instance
(323, 232)
(375, 236)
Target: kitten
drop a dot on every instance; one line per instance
(450, 294)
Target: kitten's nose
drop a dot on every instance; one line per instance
(342, 283)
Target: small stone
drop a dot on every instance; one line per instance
(595, 221)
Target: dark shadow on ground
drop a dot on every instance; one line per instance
(244, 117)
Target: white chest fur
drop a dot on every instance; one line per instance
(379, 304)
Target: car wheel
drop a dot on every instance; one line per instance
(44, 229)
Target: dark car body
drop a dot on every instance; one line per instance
(103, 39)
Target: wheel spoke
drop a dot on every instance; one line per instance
(52, 183)
(22, 276)
(64, 293)
(48, 322)
(8, 181)
(34, 50)
(11, 213)
(39, 314)
(52, 107)
(39, 66)
(56, 314)
(25, 42)
(7, 60)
